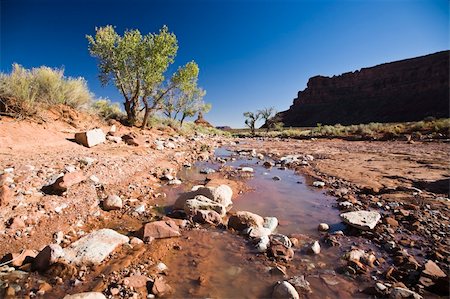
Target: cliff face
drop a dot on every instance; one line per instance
(405, 90)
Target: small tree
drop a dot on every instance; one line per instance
(251, 119)
(266, 115)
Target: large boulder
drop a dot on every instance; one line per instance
(221, 194)
(243, 220)
(93, 248)
(159, 230)
(364, 220)
(90, 138)
(200, 202)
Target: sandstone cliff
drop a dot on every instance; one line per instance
(405, 90)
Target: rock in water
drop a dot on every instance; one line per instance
(315, 248)
(159, 230)
(285, 290)
(90, 138)
(365, 220)
(87, 295)
(93, 248)
(201, 202)
(243, 219)
(323, 227)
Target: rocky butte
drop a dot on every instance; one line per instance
(405, 90)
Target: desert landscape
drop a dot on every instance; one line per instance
(343, 195)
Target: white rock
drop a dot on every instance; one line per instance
(175, 182)
(315, 248)
(271, 223)
(221, 195)
(70, 168)
(263, 243)
(170, 145)
(115, 139)
(112, 202)
(364, 220)
(258, 232)
(246, 169)
(161, 267)
(8, 170)
(323, 227)
(87, 295)
(319, 184)
(397, 293)
(90, 138)
(309, 158)
(87, 161)
(140, 209)
(94, 179)
(285, 290)
(113, 129)
(93, 248)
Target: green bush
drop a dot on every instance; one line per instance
(23, 92)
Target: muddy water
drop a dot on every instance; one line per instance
(220, 264)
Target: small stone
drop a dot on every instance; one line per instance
(399, 293)
(94, 179)
(159, 230)
(432, 270)
(300, 283)
(315, 248)
(285, 290)
(64, 182)
(48, 256)
(90, 138)
(276, 178)
(161, 267)
(278, 270)
(136, 281)
(318, 184)
(364, 220)
(323, 227)
(87, 295)
(160, 287)
(246, 169)
(112, 202)
(207, 170)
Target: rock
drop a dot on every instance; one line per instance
(221, 195)
(315, 248)
(88, 161)
(5, 195)
(158, 230)
(281, 239)
(323, 227)
(19, 259)
(258, 232)
(87, 295)
(276, 178)
(271, 223)
(115, 139)
(391, 221)
(93, 248)
(246, 169)
(112, 202)
(263, 244)
(399, 293)
(381, 288)
(364, 220)
(278, 270)
(16, 223)
(64, 182)
(130, 139)
(243, 219)
(136, 281)
(207, 216)
(207, 170)
(280, 252)
(285, 290)
(201, 202)
(175, 182)
(161, 267)
(136, 241)
(90, 138)
(94, 179)
(48, 256)
(432, 270)
(160, 287)
(268, 164)
(318, 184)
(300, 283)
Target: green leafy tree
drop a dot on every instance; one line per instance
(267, 114)
(251, 119)
(135, 64)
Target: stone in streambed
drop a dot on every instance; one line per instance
(364, 220)
(201, 202)
(93, 248)
(159, 230)
(285, 290)
(243, 219)
(90, 138)
(87, 295)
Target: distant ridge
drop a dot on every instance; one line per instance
(405, 90)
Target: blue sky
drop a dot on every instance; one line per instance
(252, 54)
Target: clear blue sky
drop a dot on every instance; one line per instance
(252, 54)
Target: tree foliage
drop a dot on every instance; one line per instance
(137, 64)
(251, 119)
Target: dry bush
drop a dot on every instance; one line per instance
(23, 92)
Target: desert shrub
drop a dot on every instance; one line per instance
(23, 92)
(107, 110)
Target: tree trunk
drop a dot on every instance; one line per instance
(182, 120)
(146, 114)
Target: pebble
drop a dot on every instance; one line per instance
(319, 184)
(315, 248)
(323, 227)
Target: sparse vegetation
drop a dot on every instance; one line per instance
(251, 119)
(267, 115)
(433, 128)
(107, 110)
(23, 92)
